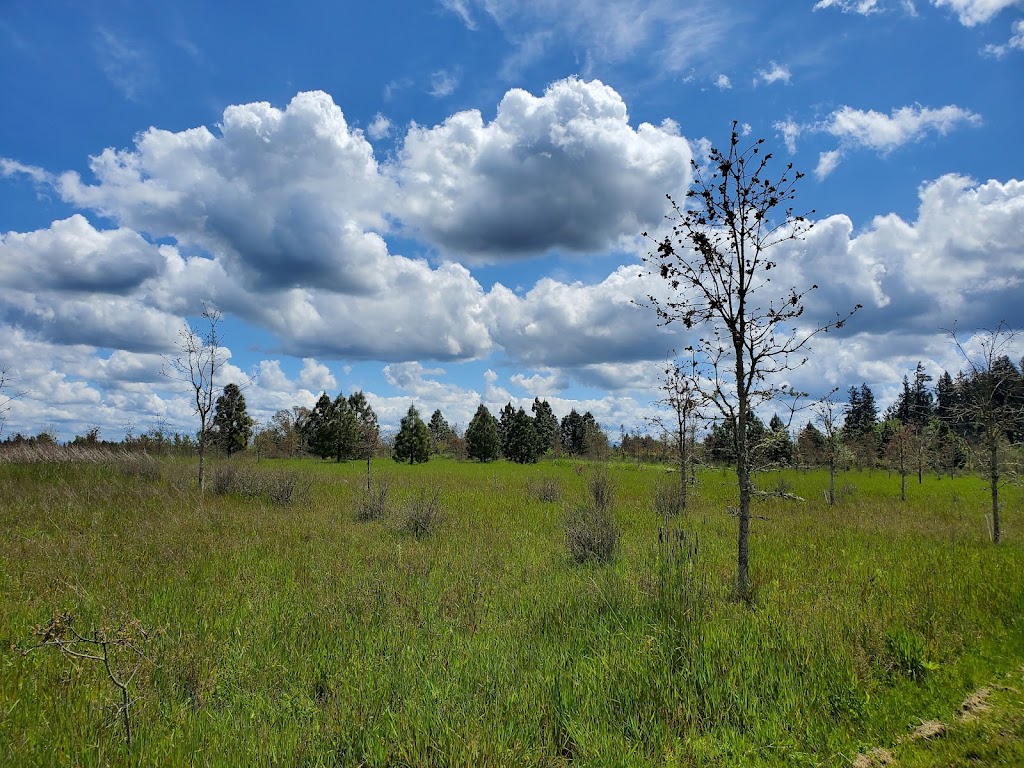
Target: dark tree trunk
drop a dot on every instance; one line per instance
(993, 473)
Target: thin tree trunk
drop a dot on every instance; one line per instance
(993, 470)
(831, 480)
(743, 543)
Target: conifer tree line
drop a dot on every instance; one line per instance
(347, 428)
(931, 426)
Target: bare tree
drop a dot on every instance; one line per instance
(684, 399)
(828, 413)
(6, 395)
(990, 402)
(900, 451)
(197, 362)
(717, 266)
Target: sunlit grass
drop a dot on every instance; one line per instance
(299, 635)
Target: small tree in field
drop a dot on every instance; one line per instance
(367, 430)
(196, 363)
(900, 452)
(684, 400)
(717, 267)
(6, 396)
(482, 440)
(412, 443)
(232, 424)
(992, 402)
(827, 414)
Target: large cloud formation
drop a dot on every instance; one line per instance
(285, 219)
(564, 170)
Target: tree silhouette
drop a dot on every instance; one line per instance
(992, 402)
(196, 363)
(716, 265)
(232, 424)
(412, 443)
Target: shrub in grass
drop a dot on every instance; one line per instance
(591, 533)
(374, 502)
(284, 487)
(230, 478)
(668, 498)
(423, 514)
(602, 489)
(281, 487)
(140, 467)
(544, 489)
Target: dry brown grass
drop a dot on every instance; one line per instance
(874, 758)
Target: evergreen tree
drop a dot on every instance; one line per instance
(778, 443)
(507, 416)
(522, 442)
(720, 444)
(945, 399)
(367, 426)
(915, 404)
(440, 431)
(811, 446)
(318, 426)
(572, 433)
(482, 441)
(546, 424)
(232, 426)
(342, 429)
(413, 440)
(861, 412)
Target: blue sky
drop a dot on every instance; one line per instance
(441, 201)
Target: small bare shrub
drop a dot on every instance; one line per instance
(602, 489)
(423, 514)
(544, 489)
(374, 503)
(591, 533)
(281, 487)
(120, 651)
(140, 466)
(284, 487)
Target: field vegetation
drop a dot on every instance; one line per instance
(287, 617)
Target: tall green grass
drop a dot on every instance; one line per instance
(301, 635)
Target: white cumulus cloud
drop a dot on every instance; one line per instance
(563, 170)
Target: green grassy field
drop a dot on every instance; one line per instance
(297, 635)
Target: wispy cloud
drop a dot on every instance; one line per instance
(974, 12)
(884, 133)
(827, 162)
(443, 83)
(394, 86)
(775, 73)
(863, 7)
(460, 9)
(379, 127)
(10, 167)
(1015, 43)
(127, 66)
(868, 129)
(722, 82)
(669, 34)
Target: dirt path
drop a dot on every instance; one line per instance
(988, 729)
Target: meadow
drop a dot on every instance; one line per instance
(298, 635)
